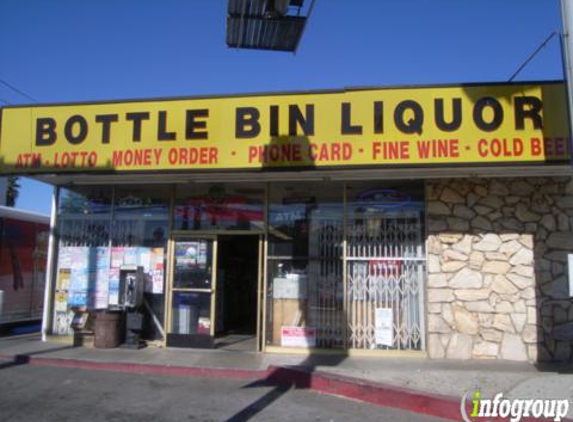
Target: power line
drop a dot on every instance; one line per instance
(17, 90)
(543, 44)
(4, 101)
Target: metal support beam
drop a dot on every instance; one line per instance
(51, 268)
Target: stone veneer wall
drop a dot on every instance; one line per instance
(497, 281)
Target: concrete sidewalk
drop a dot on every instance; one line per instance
(422, 385)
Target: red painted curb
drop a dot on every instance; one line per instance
(370, 392)
(379, 394)
(445, 407)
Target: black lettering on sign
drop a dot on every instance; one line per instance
(45, 131)
(274, 121)
(106, 120)
(247, 122)
(456, 120)
(346, 126)
(497, 119)
(137, 118)
(378, 117)
(194, 128)
(415, 123)
(162, 133)
(79, 122)
(533, 112)
(296, 118)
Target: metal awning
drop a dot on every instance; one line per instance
(267, 24)
(292, 175)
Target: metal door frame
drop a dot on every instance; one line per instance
(214, 236)
(168, 321)
(261, 326)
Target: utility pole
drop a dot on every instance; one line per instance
(567, 42)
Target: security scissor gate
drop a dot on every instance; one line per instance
(326, 310)
(367, 281)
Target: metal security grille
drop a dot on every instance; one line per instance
(326, 291)
(385, 272)
(90, 230)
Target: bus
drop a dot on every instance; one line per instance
(24, 237)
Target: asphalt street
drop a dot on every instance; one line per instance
(43, 393)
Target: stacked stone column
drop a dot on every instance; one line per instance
(497, 284)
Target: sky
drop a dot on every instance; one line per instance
(87, 50)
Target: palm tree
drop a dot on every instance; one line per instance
(12, 191)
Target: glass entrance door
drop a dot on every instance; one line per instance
(191, 313)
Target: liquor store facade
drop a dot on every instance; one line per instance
(429, 221)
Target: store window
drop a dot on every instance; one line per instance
(139, 238)
(385, 264)
(83, 234)
(84, 216)
(104, 232)
(141, 216)
(229, 206)
(305, 283)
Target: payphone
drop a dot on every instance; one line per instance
(131, 286)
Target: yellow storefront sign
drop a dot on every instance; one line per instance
(423, 126)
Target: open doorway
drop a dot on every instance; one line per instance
(237, 276)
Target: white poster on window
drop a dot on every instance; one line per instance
(101, 288)
(384, 327)
(113, 292)
(298, 337)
